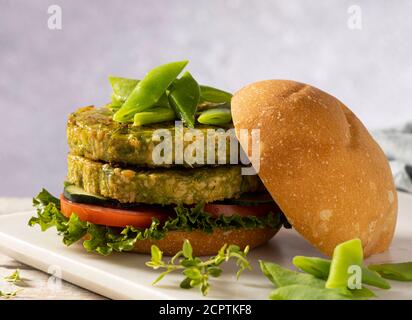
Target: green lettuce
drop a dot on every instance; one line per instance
(105, 240)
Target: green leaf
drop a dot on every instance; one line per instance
(187, 263)
(306, 292)
(105, 240)
(282, 277)
(187, 249)
(394, 271)
(162, 275)
(76, 230)
(97, 238)
(214, 271)
(157, 254)
(205, 288)
(14, 277)
(44, 198)
(195, 282)
(9, 295)
(193, 273)
(185, 284)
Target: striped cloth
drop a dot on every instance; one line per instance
(397, 145)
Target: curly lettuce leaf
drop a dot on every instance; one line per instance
(105, 240)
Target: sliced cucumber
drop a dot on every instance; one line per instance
(77, 194)
(251, 199)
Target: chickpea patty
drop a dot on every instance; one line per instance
(161, 185)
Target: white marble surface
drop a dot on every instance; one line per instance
(46, 74)
(37, 284)
(125, 276)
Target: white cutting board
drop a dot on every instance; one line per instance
(125, 276)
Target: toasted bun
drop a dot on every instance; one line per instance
(320, 164)
(205, 244)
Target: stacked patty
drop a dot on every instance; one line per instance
(114, 160)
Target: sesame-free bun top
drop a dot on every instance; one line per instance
(320, 164)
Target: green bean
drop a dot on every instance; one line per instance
(154, 115)
(216, 116)
(394, 271)
(149, 90)
(213, 95)
(184, 98)
(320, 268)
(345, 255)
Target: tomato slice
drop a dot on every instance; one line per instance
(113, 217)
(259, 210)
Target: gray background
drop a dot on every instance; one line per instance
(45, 74)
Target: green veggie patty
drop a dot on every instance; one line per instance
(92, 133)
(160, 186)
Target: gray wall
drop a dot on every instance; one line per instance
(45, 74)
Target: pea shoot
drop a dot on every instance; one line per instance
(15, 280)
(196, 272)
(14, 277)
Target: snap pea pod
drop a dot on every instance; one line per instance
(213, 95)
(184, 97)
(154, 115)
(319, 268)
(345, 255)
(308, 285)
(149, 90)
(123, 87)
(116, 102)
(216, 116)
(394, 271)
(304, 292)
(282, 277)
